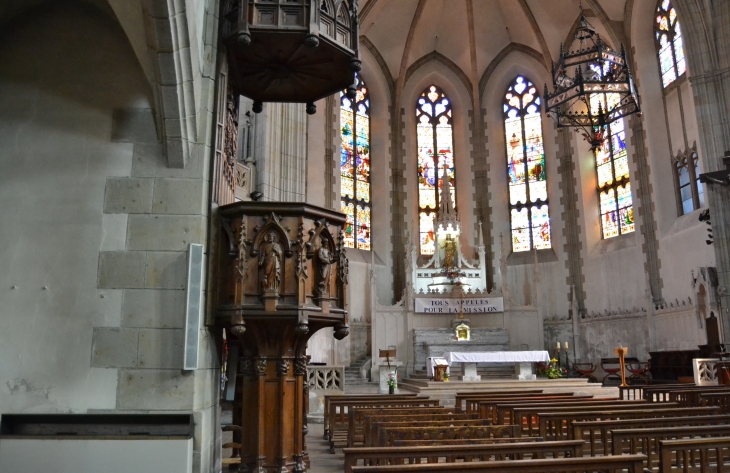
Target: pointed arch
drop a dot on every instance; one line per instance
(669, 43)
(434, 133)
(528, 197)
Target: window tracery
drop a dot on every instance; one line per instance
(612, 168)
(434, 133)
(690, 191)
(528, 201)
(669, 43)
(355, 166)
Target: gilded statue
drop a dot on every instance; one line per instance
(325, 258)
(449, 248)
(270, 263)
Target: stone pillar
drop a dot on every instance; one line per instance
(282, 276)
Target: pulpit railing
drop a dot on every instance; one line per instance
(326, 378)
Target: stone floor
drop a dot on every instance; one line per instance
(321, 460)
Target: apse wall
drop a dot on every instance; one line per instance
(95, 231)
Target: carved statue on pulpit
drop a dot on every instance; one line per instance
(325, 258)
(449, 248)
(270, 264)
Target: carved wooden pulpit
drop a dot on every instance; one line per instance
(281, 276)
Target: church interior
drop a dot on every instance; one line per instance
(364, 236)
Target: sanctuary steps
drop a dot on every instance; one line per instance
(446, 392)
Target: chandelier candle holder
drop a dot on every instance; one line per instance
(600, 91)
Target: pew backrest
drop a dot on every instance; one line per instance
(694, 454)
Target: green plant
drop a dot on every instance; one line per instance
(551, 370)
(393, 379)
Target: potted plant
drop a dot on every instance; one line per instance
(551, 370)
(393, 381)
(446, 377)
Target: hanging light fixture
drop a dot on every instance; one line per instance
(600, 91)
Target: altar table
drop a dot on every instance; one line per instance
(523, 361)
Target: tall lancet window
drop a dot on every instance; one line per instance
(528, 201)
(670, 47)
(355, 166)
(435, 157)
(612, 166)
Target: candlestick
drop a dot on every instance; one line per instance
(566, 346)
(558, 345)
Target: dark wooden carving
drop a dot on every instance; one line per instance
(282, 276)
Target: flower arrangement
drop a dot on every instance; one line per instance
(551, 370)
(453, 275)
(393, 379)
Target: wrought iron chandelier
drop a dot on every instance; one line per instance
(600, 92)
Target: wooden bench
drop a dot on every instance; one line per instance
(557, 425)
(339, 414)
(461, 396)
(452, 453)
(526, 416)
(694, 455)
(353, 397)
(502, 411)
(691, 397)
(630, 463)
(662, 393)
(392, 434)
(382, 428)
(597, 432)
(719, 399)
(473, 404)
(424, 443)
(371, 422)
(646, 441)
(359, 420)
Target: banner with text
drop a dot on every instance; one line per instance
(481, 305)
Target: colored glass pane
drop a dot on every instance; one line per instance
(425, 226)
(626, 209)
(355, 166)
(608, 213)
(670, 47)
(435, 142)
(527, 178)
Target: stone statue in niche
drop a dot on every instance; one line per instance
(325, 258)
(449, 248)
(270, 264)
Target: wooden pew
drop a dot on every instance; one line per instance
(353, 397)
(470, 403)
(473, 403)
(461, 396)
(597, 433)
(392, 434)
(557, 425)
(451, 453)
(646, 441)
(631, 463)
(693, 455)
(339, 414)
(383, 428)
(662, 393)
(501, 412)
(372, 421)
(526, 416)
(358, 423)
(719, 399)
(425, 443)
(691, 397)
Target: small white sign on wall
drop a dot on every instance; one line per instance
(481, 305)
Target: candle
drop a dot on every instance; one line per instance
(558, 345)
(566, 346)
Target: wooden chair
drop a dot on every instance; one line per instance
(639, 370)
(585, 370)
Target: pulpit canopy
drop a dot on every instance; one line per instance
(291, 50)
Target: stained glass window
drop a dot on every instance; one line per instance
(528, 202)
(612, 166)
(435, 156)
(355, 166)
(668, 36)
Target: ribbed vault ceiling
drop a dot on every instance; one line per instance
(472, 33)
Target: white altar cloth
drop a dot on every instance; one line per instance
(537, 356)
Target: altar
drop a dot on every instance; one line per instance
(523, 361)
